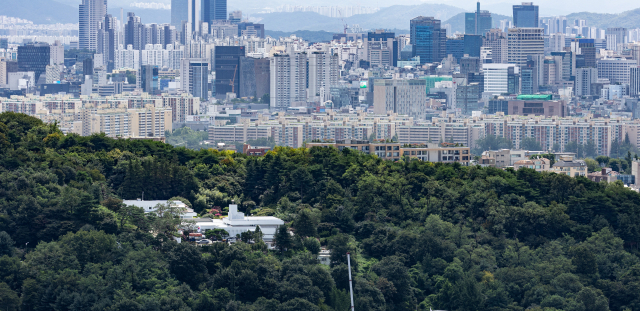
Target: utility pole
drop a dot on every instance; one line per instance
(350, 281)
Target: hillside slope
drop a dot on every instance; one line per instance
(628, 19)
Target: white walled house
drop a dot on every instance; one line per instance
(150, 207)
(237, 223)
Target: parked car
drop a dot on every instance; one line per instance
(204, 241)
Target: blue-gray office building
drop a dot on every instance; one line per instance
(478, 22)
(455, 47)
(428, 39)
(213, 10)
(179, 12)
(472, 45)
(525, 15)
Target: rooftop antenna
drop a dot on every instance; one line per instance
(350, 281)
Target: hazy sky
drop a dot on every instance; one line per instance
(547, 7)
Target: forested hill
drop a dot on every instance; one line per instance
(423, 235)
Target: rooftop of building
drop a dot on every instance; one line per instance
(570, 163)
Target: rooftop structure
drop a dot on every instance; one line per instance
(236, 223)
(151, 206)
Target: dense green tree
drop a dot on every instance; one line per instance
(8, 298)
(492, 142)
(282, 238)
(306, 223)
(421, 235)
(312, 245)
(530, 143)
(6, 244)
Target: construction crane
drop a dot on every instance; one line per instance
(343, 22)
(231, 83)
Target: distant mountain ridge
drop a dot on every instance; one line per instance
(397, 16)
(628, 19)
(457, 22)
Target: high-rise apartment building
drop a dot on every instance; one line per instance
(621, 35)
(179, 12)
(134, 31)
(402, 96)
(56, 52)
(478, 22)
(34, 57)
(108, 40)
(227, 67)
(556, 24)
(554, 42)
(181, 106)
(428, 39)
(288, 81)
(525, 15)
(634, 82)
(324, 70)
(522, 42)
(195, 15)
(91, 14)
(3, 72)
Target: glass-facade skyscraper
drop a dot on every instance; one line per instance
(472, 45)
(227, 67)
(179, 12)
(478, 22)
(213, 10)
(34, 57)
(91, 14)
(525, 15)
(428, 39)
(455, 47)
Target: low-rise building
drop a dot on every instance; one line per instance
(538, 164)
(255, 150)
(606, 174)
(387, 151)
(443, 152)
(236, 223)
(569, 166)
(509, 157)
(152, 206)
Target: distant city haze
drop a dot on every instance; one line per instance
(547, 7)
